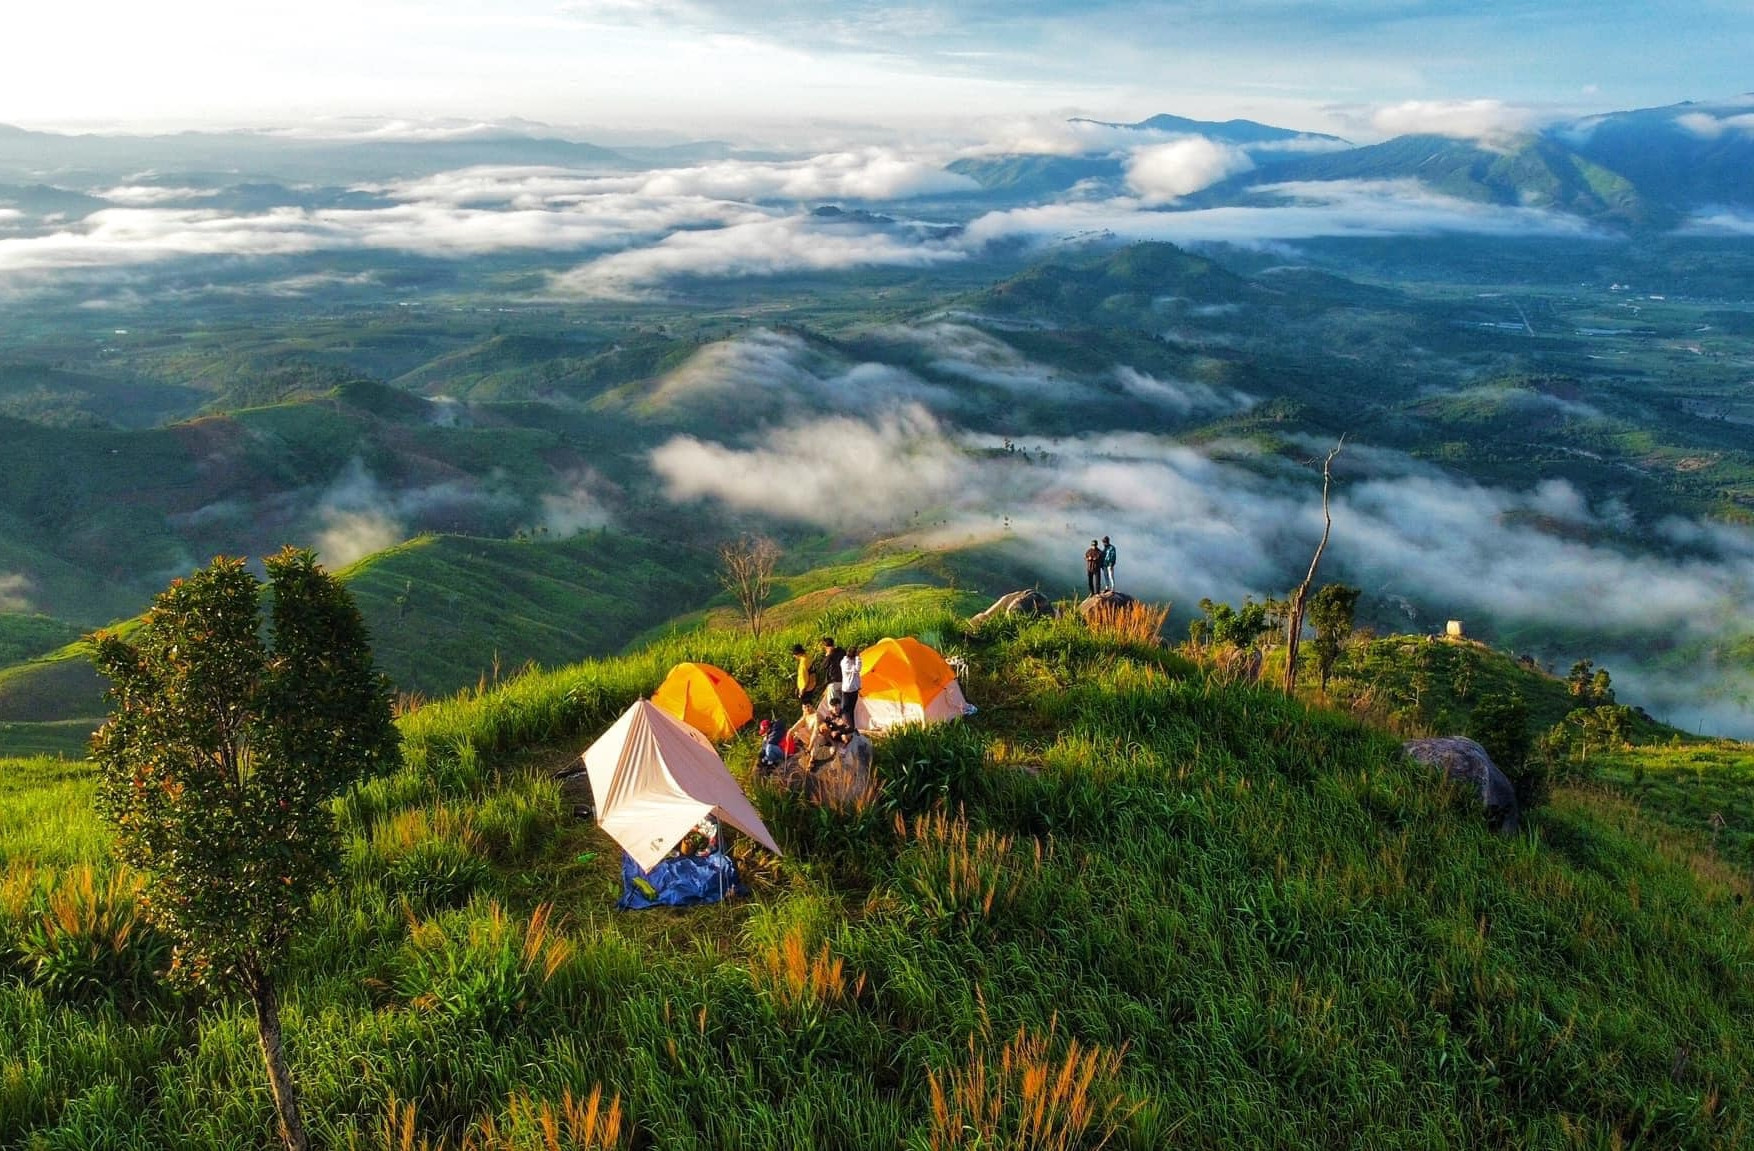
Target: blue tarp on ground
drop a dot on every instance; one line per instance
(678, 881)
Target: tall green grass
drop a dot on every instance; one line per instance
(1121, 903)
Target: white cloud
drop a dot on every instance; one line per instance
(783, 372)
(126, 236)
(839, 471)
(766, 247)
(1165, 172)
(15, 589)
(356, 515)
(474, 211)
(146, 195)
(863, 174)
(1184, 397)
(1709, 127)
(1723, 222)
(1059, 136)
(1191, 525)
(1310, 209)
(577, 507)
(1483, 120)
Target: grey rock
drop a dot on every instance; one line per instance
(1108, 601)
(839, 777)
(1027, 602)
(1467, 763)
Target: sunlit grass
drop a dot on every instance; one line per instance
(1123, 903)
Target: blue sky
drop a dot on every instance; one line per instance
(741, 67)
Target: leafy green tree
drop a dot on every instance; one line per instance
(227, 743)
(1500, 724)
(1239, 626)
(1579, 681)
(1332, 612)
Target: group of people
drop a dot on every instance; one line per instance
(1099, 566)
(828, 698)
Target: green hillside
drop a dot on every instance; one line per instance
(1114, 286)
(444, 611)
(1230, 920)
(1529, 171)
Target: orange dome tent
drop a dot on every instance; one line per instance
(904, 681)
(706, 698)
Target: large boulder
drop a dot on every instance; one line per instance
(1467, 763)
(1104, 603)
(837, 777)
(1027, 602)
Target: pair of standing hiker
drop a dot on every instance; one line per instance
(1099, 566)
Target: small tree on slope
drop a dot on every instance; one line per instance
(218, 765)
(1332, 611)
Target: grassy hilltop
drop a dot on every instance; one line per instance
(1230, 920)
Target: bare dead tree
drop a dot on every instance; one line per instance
(746, 571)
(1300, 597)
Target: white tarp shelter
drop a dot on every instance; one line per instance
(653, 778)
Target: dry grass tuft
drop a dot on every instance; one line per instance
(957, 871)
(530, 1125)
(1137, 623)
(798, 980)
(1029, 1099)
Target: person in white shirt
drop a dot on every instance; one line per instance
(849, 687)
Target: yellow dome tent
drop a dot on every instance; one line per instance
(706, 698)
(904, 681)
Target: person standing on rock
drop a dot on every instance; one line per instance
(806, 674)
(849, 687)
(1093, 567)
(828, 671)
(1108, 565)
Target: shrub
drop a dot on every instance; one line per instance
(960, 874)
(1500, 724)
(925, 766)
(481, 965)
(432, 857)
(92, 943)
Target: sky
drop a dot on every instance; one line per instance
(745, 69)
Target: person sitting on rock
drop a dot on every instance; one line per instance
(771, 755)
(1093, 567)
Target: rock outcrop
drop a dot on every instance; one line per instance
(1027, 602)
(1467, 763)
(839, 777)
(1103, 602)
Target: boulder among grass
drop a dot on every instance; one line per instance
(1027, 602)
(1467, 763)
(1104, 603)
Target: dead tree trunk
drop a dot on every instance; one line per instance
(291, 1123)
(746, 571)
(1300, 597)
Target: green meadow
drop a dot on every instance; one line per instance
(1125, 904)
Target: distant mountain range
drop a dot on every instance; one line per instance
(1648, 168)
(1229, 131)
